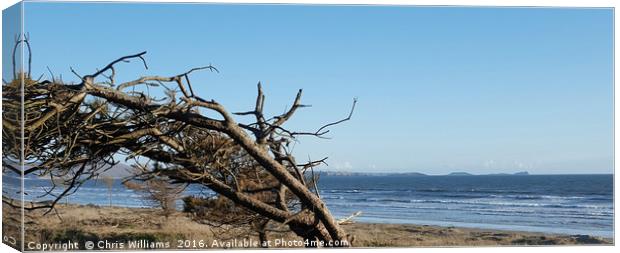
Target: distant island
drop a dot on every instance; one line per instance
(521, 173)
(460, 174)
(415, 174)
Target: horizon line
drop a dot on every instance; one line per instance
(471, 173)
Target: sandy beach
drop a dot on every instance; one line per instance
(117, 227)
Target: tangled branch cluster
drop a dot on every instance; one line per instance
(75, 131)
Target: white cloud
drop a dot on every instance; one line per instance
(343, 166)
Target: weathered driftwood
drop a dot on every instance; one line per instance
(349, 219)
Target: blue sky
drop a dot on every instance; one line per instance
(440, 89)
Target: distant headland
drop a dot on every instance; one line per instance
(415, 174)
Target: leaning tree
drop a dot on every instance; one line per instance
(74, 131)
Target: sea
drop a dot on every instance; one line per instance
(560, 204)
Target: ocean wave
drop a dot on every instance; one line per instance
(344, 191)
(536, 197)
(468, 194)
(482, 202)
(585, 216)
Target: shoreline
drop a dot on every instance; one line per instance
(439, 236)
(492, 227)
(480, 202)
(123, 224)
